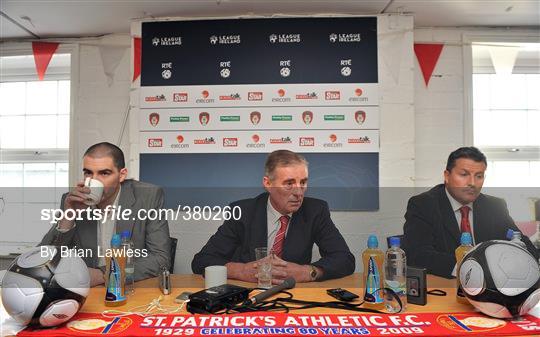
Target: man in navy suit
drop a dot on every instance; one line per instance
(285, 221)
(435, 219)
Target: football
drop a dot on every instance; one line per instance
(500, 278)
(43, 288)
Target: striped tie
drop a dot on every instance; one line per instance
(280, 236)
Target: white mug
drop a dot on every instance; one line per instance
(215, 276)
(96, 191)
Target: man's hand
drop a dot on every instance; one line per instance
(242, 271)
(74, 200)
(283, 269)
(96, 277)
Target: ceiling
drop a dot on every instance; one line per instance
(32, 19)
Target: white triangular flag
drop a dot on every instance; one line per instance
(503, 58)
(391, 46)
(111, 57)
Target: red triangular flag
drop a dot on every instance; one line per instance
(136, 57)
(43, 52)
(427, 55)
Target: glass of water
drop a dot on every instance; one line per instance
(264, 268)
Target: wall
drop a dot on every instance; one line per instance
(396, 156)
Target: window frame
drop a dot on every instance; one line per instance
(47, 155)
(493, 153)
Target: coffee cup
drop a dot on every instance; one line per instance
(96, 191)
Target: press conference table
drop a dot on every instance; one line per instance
(147, 290)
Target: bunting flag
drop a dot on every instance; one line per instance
(111, 57)
(390, 46)
(43, 52)
(136, 58)
(503, 58)
(427, 55)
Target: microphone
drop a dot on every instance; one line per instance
(287, 284)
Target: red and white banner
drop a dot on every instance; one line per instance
(279, 324)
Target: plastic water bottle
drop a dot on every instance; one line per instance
(373, 259)
(115, 291)
(515, 237)
(461, 251)
(395, 272)
(127, 245)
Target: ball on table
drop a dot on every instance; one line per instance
(43, 288)
(500, 278)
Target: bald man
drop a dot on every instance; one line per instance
(105, 162)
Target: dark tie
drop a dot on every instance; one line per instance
(465, 224)
(280, 236)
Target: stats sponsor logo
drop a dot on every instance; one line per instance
(307, 141)
(332, 95)
(155, 142)
(285, 38)
(359, 140)
(204, 141)
(225, 39)
(231, 97)
(157, 98)
(358, 96)
(255, 96)
(281, 118)
(179, 143)
(334, 117)
(282, 140)
(205, 98)
(180, 97)
(255, 142)
(229, 118)
(345, 37)
(309, 95)
(333, 142)
(281, 97)
(230, 142)
(167, 41)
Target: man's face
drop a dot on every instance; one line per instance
(104, 170)
(465, 180)
(287, 187)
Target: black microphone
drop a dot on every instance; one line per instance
(287, 284)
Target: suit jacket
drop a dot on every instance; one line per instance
(150, 234)
(236, 240)
(431, 231)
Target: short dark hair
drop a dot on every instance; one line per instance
(282, 158)
(470, 152)
(105, 149)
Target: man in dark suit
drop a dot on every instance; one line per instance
(105, 162)
(285, 221)
(435, 219)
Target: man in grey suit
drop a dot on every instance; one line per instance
(105, 162)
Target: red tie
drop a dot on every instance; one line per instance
(465, 224)
(280, 236)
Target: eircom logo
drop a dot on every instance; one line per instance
(307, 141)
(155, 142)
(230, 142)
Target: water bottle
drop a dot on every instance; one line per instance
(461, 251)
(395, 272)
(127, 245)
(373, 259)
(115, 291)
(515, 237)
(535, 239)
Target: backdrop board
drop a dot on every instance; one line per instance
(218, 95)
